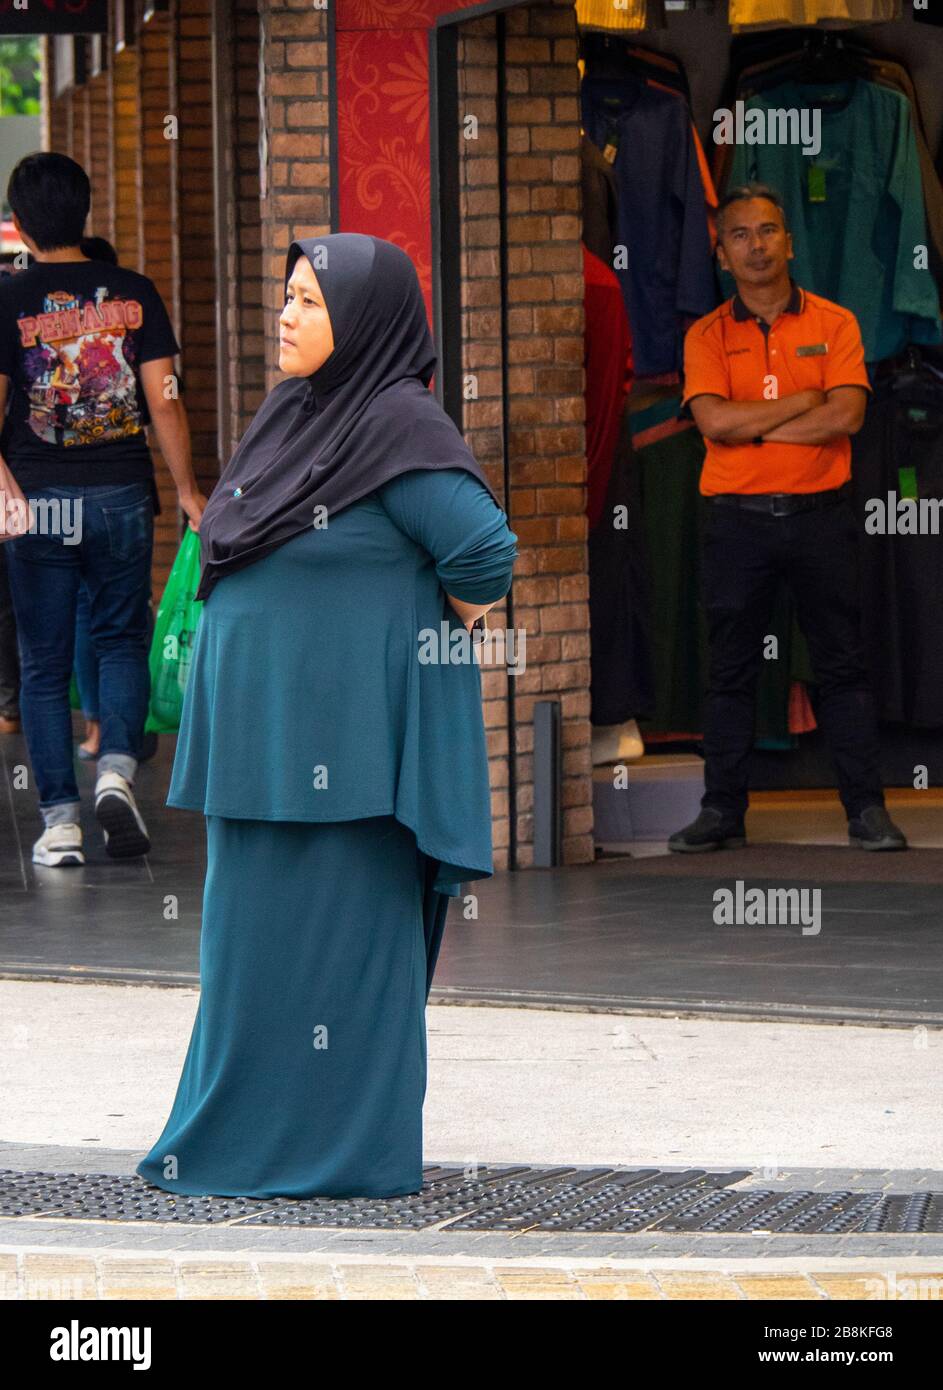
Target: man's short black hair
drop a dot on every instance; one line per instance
(50, 195)
(743, 192)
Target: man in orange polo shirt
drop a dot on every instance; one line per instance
(776, 382)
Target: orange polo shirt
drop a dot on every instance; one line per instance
(813, 343)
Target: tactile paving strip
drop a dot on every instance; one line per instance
(513, 1198)
(591, 1199)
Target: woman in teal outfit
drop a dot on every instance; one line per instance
(335, 745)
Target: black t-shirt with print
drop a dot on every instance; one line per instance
(73, 335)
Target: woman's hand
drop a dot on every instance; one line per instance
(469, 612)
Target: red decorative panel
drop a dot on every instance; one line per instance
(383, 140)
(390, 14)
(383, 123)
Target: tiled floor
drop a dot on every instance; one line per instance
(632, 934)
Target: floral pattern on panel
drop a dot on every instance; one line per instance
(383, 141)
(392, 14)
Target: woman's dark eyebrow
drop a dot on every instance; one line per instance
(315, 294)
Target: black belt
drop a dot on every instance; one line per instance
(782, 503)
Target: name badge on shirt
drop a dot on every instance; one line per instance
(812, 350)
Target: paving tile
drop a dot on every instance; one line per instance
(600, 1284)
(889, 1285)
(380, 1282)
(708, 1285)
(787, 1286)
(534, 1282)
(294, 1279)
(217, 1279)
(458, 1281)
(155, 1278)
(842, 1286)
(9, 1277)
(59, 1276)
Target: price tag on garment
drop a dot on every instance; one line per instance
(907, 482)
(611, 147)
(816, 183)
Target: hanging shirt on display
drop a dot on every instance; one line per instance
(902, 569)
(629, 15)
(600, 202)
(668, 278)
(855, 209)
(73, 336)
(621, 684)
(744, 13)
(607, 348)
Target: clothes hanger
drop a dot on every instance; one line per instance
(818, 57)
(614, 56)
(827, 58)
(915, 370)
(906, 370)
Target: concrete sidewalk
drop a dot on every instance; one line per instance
(88, 1073)
(97, 1066)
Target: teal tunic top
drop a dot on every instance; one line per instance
(312, 696)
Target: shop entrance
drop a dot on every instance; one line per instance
(510, 115)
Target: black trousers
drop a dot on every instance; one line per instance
(744, 556)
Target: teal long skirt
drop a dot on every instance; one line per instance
(306, 1070)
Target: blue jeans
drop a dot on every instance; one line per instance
(102, 534)
(85, 661)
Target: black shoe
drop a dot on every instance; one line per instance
(874, 829)
(711, 830)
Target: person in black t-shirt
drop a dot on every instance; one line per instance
(96, 248)
(86, 359)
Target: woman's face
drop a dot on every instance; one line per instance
(306, 339)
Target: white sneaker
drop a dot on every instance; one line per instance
(116, 812)
(59, 844)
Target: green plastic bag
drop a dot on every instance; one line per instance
(174, 635)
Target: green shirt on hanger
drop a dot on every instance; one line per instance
(855, 209)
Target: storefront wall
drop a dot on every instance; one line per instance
(384, 187)
(545, 406)
(250, 86)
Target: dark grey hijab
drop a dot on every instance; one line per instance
(365, 416)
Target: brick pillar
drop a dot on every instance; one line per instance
(197, 331)
(99, 167)
(81, 125)
(46, 104)
(158, 164)
(68, 110)
(159, 239)
(546, 384)
(244, 321)
(126, 147)
(296, 172)
(56, 112)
